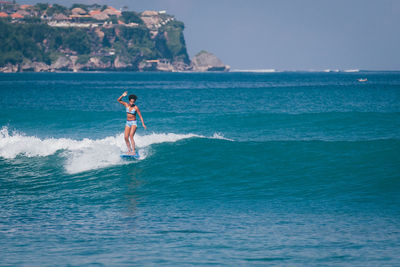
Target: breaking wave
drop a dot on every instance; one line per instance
(86, 154)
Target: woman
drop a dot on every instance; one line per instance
(131, 123)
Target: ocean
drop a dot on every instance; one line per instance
(241, 168)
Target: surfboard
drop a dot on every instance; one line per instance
(130, 157)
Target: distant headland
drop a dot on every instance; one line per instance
(50, 38)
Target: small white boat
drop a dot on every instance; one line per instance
(362, 80)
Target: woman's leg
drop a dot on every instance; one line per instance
(127, 130)
(131, 134)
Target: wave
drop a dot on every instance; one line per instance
(352, 70)
(329, 70)
(86, 154)
(335, 70)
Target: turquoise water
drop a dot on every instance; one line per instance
(235, 169)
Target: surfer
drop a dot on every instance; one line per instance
(131, 122)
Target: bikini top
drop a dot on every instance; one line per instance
(133, 111)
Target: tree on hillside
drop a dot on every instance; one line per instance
(57, 9)
(131, 16)
(41, 7)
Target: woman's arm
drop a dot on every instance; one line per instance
(120, 99)
(140, 116)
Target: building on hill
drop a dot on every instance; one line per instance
(25, 6)
(100, 16)
(3, 15)
(112, 11)
(17, 16)
(24, 13)
(60, 17)
(79, 16)
(154, 20)
(149, 13)
(151, 19)
(94, 12)
(78, 11)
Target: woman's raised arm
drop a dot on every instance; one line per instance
(120, 98)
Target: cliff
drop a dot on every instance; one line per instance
(205, 61)
(46, 37)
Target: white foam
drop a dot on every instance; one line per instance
(30, 146)
(329, 70)
(352, 70)
(221, 137)
(86, 154)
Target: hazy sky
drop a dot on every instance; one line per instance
(284, 34)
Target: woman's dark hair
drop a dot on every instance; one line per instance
(132, 97)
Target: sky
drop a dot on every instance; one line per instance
(284, 34)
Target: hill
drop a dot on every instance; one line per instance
(45, 37)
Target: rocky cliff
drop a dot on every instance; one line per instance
(85, 38)
(205, 61)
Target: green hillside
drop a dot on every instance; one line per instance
(88, 38)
